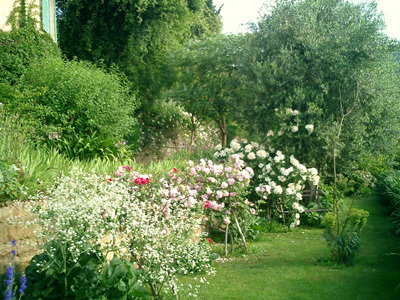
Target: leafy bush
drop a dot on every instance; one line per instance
(55, 273)
(11, 182)
(91, 147)
(19, 48)
(344, 242)
(389, 189)
(77, 99)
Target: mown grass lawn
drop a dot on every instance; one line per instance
(296, 266)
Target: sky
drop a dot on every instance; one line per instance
(237, 12)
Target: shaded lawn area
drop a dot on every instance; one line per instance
(296, 266)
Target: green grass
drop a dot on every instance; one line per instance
(296, 266)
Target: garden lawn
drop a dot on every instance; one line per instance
(296, 266)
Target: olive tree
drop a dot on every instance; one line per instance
(305, 55)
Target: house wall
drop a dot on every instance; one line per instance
(6, 6)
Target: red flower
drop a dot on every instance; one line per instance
(127, 168)
(108, 179)
(141, 181)
(206, 204)
(210, 240)
(175, 170)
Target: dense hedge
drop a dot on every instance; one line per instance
(389, 188)
(19, 48)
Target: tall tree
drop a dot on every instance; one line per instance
(301, 54)
(206, 85)
(134, 35)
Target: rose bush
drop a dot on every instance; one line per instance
(278, 181)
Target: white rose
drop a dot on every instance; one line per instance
(261, 154)
(248, 148)
(251, 156)
(310, 128)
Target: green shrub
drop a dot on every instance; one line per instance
(91, 147)
(389, 189)
(55, 274)
(75, 100)
(19, 48)
(11, 181)
(345, 241)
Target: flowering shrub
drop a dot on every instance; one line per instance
(221, 189)
(278, 181)
(364, 181)
(129, 216)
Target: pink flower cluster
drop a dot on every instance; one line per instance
(218, 184)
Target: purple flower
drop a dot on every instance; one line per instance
(10, 272)
(13, 252)
(9, 281)
(8, 294)
(13, 243)
(23, 285)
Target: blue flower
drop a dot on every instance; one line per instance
(13, 252)
(8, 294)
(13, 243)
(23, 285)
(10, 272)
(9, 281)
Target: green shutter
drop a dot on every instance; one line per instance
(55, 22)
(46, 15)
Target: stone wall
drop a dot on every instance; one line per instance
(12, 226)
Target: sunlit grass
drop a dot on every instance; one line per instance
(297, 265)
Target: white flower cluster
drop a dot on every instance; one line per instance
(285, 181)
(252, 151)
(128, 217)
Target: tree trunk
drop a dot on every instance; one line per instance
(240, 231)
(224, 132)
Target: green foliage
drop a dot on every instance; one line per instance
(389, 188)
(344, 246)
(19, 48)
(206, 84)
(39, 166)
(91, 147)
(76, 107)
(344, 242)
(345, 185)
(162, 123)
(89, 277)
(306, 55)
(77, 99)
(11, 178)
(134, 35)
